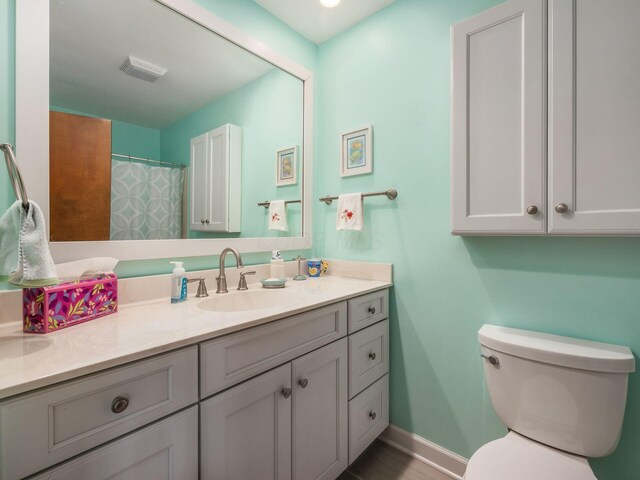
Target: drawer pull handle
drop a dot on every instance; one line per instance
(372, 355)
(119, 404)
(372, 415)
(286, 392)
(372, 310)
(303, 382)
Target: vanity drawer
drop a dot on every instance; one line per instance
(368, 309)
(166, 449)
(368, 417)
(368, 356)
(59, 422)
(231, 359)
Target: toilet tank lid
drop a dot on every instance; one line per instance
(558, 350)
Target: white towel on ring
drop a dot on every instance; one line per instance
(24, 249)
(350, 212)
(278, 215)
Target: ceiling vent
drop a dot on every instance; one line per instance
(140, 69)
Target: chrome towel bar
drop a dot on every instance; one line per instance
(266, 203)
(391, 194)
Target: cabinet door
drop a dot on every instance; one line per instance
(218, 151)
(594, 113)
(199, 209)
(320, 423)
(165, 450)
(246, 431)
(498, 143)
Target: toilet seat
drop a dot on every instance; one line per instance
(517, 457)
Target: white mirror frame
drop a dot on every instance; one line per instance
(32, 137)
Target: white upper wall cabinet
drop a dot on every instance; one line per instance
(594, 117)
(592, 120)
(216, 180)
(498, 155)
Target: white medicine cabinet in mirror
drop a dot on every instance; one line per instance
(157, 129)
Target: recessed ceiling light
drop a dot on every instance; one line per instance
(329, 3)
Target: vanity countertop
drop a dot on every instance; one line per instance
(140, 330)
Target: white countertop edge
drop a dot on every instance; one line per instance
(70, 373)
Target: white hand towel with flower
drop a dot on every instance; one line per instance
(278, 216)
(350, 212)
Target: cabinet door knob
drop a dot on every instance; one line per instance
(202, 221)
(303, 382)
(286, 392)
(372, 355)
(119, 404)
(372, 415)
(206, 221)
(372, 310)
(532, 209)
(562, 208)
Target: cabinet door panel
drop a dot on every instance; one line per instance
(218, 147)
(246, 431)
(498, 156)
(320, 422)
(165, 450)
(594, 113)
(199, 210)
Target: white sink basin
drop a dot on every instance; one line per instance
(243, 301)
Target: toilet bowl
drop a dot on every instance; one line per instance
(515, 457)
(562, 399)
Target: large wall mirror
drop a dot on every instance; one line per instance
(165, 131)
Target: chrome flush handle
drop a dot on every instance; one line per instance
(492, 359)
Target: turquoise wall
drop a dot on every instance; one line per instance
(268, 111)
(7, 97)
(392, 71)
(130, 139)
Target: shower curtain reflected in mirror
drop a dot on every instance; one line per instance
(146, 201)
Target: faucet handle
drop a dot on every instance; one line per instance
(202, 286)
(242, 285)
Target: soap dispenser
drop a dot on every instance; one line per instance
(178, 283)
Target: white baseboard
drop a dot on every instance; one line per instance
(443, 460)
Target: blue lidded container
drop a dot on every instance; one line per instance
(314, 267)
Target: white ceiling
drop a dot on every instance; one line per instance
(318, 23)
(89, 42)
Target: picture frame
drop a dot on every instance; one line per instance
(357, 152)
(287, 166)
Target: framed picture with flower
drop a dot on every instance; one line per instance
(286, 166)
(357, 152)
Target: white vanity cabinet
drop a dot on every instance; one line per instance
(290, 422)
(295, 420)
(296, 398)
(545, 111)
(216, 179)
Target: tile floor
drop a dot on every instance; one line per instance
(382, 462)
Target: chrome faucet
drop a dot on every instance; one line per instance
(221, 279)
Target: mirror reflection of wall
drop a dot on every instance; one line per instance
(120, 161)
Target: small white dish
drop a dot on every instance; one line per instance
(273, 282)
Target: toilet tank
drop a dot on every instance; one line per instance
(564, 392)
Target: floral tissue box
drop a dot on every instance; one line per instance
(47, 309)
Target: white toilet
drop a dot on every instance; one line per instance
(563, 400)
